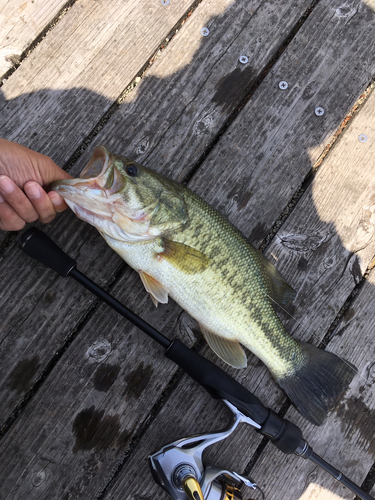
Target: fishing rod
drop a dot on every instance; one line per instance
(178, 467)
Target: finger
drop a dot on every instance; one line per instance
(17, 199)
(40, 201)
(9, 219)
(58, 201)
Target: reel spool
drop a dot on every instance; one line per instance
(178, 467)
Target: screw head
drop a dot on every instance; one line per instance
(283, 85)
(165, 2)
(319, 111)
(362, 138)
(243, 59)
(205, 31)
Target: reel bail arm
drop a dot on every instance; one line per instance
(179, 469)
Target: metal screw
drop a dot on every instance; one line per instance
(283, 85)
(205, 31)
(243, 59)
(319, 111)
(165, 2)
(362, 138)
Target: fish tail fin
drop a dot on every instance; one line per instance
(315, 387)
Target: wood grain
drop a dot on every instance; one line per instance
(15, 318)
(330, 247)
(346, 439)
(74, 75)
(173, 115)
(21, 21)
(81, 423)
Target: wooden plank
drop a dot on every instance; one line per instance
(90, 408)
(347, 438)
(61, 91)
(276, 129)
(188, 411)
(279, 129)
(15, 317)
(38, 445)
(343, 193)
(329, 241)
(20, 24)
(90, 29)
(74, 75)
(78, 463)
(199, 81)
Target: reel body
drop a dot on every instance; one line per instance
(178, 467)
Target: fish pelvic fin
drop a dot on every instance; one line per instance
(281, 291)
(183, 257)
(229, 350)
(157, 291)
(316, 386)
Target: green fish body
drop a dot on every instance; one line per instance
(183, 248)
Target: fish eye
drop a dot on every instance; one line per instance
(132, 170)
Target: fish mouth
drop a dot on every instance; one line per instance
(94, 197)
(87, 194)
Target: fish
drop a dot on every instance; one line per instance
(184, 249)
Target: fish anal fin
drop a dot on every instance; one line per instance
(281, 291)
(157, 291)
(184, 257)
(229, 350)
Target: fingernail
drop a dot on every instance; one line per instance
(6, 185)
(33, 191)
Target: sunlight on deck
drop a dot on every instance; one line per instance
(317, 492)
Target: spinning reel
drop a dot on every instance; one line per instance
(178, 467)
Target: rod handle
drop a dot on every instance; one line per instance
(285, 435)
(39, 246)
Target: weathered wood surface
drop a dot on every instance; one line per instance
(61, 91)
(151, 25)
(72, 78)
(199, 82)
(76, 429)
(36, 353)
(347, 438)
(21, 22)
(329, 242)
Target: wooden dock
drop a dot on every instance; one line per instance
(84, 396)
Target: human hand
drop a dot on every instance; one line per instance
(23, 174)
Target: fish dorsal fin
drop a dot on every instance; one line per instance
(229, 350)
(184, 257)
(157, 291)
(281, 291)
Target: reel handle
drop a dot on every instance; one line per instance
(192, 488)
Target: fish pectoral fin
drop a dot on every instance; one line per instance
(157, 291)
(281, 291)
(229, 350)
(184, 257)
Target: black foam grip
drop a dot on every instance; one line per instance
(284, 434)
(40, 247)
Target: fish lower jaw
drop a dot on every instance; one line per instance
(88, 215)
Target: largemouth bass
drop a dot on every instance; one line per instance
(183, 248)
